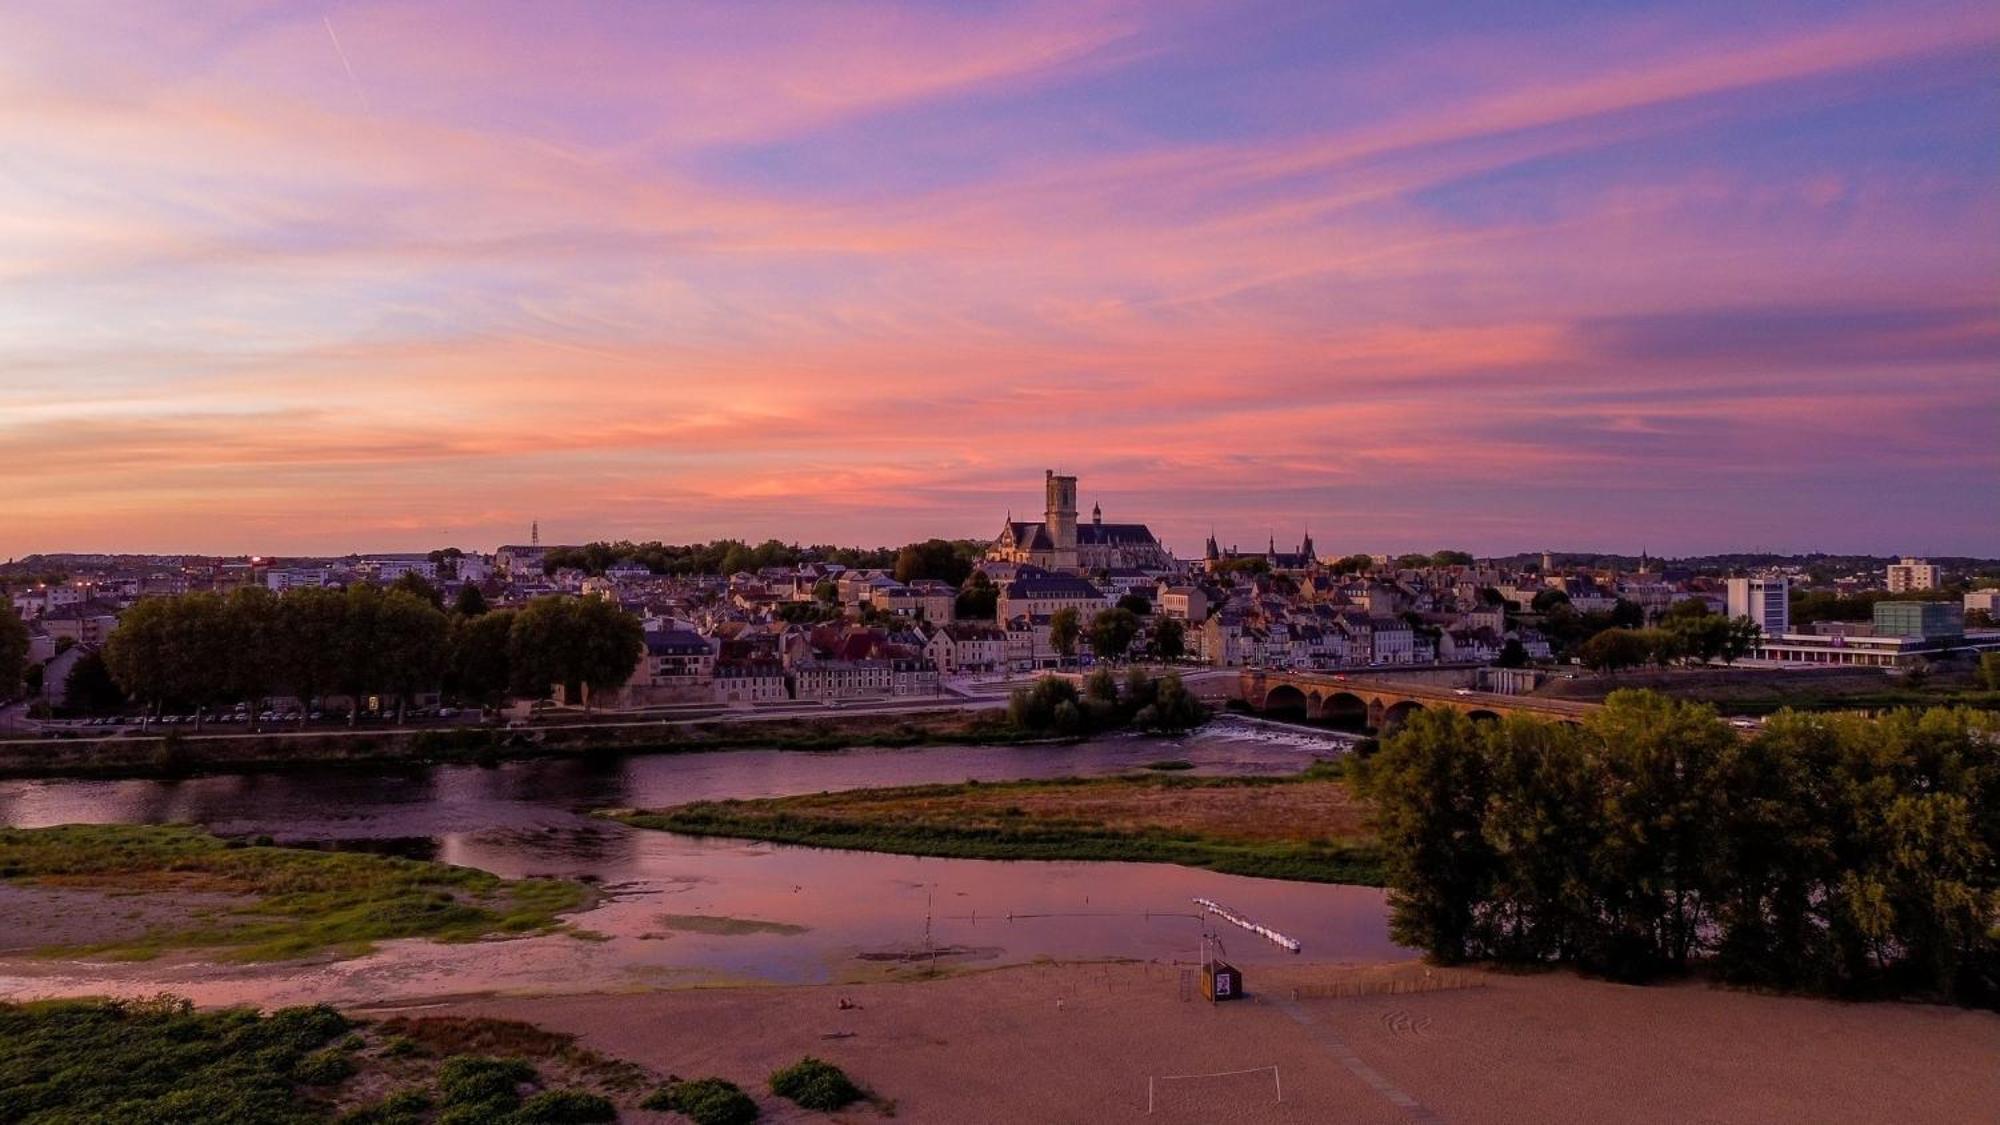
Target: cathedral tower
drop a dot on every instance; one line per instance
(1061, 518)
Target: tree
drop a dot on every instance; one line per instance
(470, 603)
(1512, 654)
(1169, 639)
(1989, 670)
(1661, 758)
(1354, 564)
(1740, 640)
(1111, 633)
(1548, 599)
(476, 662)
(309, 652)
(1174, 707)
(933, 558)
(610, 648)
(1065, 627)
(410, 637)
(978, 599)
(1627, 614)
(13, 652)
(826, 592)
(1614, 650)
(1451, 558)
(1136, 604)
(1429, 785)
(417, 585)
(250, 620)
(90, 688)
(583, 645)
(1544, 821)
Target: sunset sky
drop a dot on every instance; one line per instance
(302, 277)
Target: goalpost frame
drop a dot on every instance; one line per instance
(1277, 1082)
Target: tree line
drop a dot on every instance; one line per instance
(203, 649)
(1055, 704)
(720, 557)
(1689, 632)
(1826, 853)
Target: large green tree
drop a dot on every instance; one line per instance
(1430, 785)
(1065, 628)
(1111, 633)
(477, 662)
(13, 652)
(310, 646)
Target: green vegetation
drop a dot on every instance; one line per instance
(13, 653)
(1827, 853)
(1307, 827)
(160, 1060)
(705, 1101)
(1053, 704)
(815, 1084)
(201, 650)
(296, 902)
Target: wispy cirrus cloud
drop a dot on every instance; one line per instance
(859, 271)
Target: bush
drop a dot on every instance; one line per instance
(815, 1084)
(404, 1107)
(705, 1101)
(329, 1066)
(466, 1080)
(565, 1107)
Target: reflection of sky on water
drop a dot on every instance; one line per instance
(859, 909)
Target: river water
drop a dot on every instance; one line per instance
(681, 910)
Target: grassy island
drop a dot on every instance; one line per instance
(134, 891)
(1307, 827)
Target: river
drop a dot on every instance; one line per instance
(681, 910)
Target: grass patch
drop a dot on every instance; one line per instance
(294, 902)
(726, 926)
(1307, 827)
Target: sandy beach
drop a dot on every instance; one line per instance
(1079, 1042)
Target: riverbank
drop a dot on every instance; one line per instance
(1084, 1043)
(1307, 827)
(135, 892)
(173, 755)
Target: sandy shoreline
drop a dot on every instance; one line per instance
(1078, 1042)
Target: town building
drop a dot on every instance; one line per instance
(1765, 600)
(1910, 574)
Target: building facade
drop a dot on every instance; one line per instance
(1767, 601)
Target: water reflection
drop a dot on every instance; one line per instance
(830, 914)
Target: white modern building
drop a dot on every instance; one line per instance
(1767, 601)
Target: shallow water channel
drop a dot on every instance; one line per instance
(683, 911)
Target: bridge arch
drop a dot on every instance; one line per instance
(1345, 710)
(1482, 715)
(1286, 701)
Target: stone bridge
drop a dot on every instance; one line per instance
(1372, 700)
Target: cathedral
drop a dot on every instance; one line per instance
(1059, 542)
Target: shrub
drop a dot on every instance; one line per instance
(465, 1080)
(705, 1101)
(404, 1107)
(327, 1067)
(565, 1107)
(815, 1084)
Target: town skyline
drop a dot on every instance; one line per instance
(304, 281)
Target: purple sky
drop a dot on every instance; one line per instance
(287, 278)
